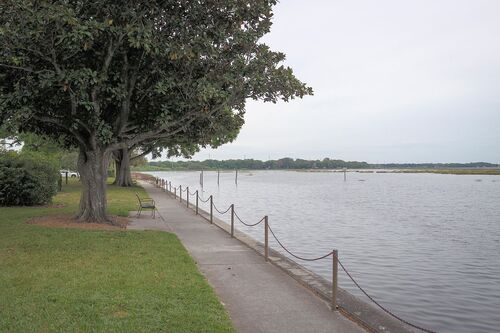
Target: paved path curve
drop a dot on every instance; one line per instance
(258, 296)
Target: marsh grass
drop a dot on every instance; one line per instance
(454, 171)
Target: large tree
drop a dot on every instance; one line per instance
(104, 75)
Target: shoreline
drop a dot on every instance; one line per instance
(457, 171)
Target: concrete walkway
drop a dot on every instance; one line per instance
(258, 296)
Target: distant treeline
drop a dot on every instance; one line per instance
(290, 163)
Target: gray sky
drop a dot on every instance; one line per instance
(394, 81)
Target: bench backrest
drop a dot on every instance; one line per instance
(138, 198)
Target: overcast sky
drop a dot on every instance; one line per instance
(394, 81)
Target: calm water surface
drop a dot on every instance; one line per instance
(425, 245)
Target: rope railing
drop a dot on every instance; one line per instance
(248, 224)
(222, 213)
(294, 255)
(164, 185)
(380, 305)
(207, 200)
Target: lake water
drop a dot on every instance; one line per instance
(424, 245)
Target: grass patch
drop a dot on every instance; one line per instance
(71, 280)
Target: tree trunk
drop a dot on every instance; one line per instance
(123, 175)
(93, 167)
(117, 168)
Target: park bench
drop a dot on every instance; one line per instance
(146, 203)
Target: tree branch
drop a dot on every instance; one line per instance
(144, 153)
(54, 121)
(26, 69)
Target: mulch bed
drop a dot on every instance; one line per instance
(68, 221)
(142, 176)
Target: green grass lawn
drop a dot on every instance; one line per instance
(72, 280)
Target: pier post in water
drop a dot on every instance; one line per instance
(218, 177)
(236, 178)
(335, 256)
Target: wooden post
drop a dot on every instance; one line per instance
(196, 202)
(266, 238)
(236, 177)
(187, 197)
(218, 177)
(232, 220)
(180, 193)
(211, 209)
(345, 174)
(202, 178)
(175, 192)
(66, 177)
(170, 185)
(335, 269)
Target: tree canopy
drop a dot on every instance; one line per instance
(124, 73)
(107, 75)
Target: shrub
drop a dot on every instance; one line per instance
(27, 179)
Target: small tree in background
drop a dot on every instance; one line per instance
(102, 75)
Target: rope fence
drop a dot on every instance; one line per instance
(294, 255)
(247, 224)
(222, 213)
(167, 187)
(207, 200)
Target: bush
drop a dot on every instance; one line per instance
(27, 179)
